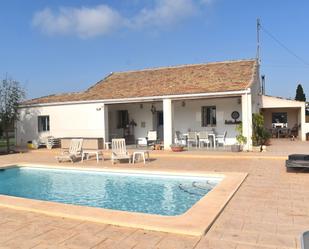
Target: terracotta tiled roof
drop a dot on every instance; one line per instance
(187, 79)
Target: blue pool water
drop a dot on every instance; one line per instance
(145, 193)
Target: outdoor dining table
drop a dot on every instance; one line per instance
(212, 135)
(284, 131)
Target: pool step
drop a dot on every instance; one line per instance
(194, 189)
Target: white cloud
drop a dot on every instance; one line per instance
(165, 13)
(88, 22)
(85, 22)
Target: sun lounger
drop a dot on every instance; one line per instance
(297, 161)
(73, 153)
(48, 141)
(296, 157)
(119, 150)
(305, 240)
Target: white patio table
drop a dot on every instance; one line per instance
(94, 152)
(142, 153)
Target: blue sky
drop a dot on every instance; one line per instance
(68, 45)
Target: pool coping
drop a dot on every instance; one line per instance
(195, 221)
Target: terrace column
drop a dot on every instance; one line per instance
(167, 123)
(246, 106)
(105, 123)
(302, 122)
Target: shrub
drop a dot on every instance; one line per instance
(260, 135)
(241, 139)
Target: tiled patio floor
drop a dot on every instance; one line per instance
(270, 210)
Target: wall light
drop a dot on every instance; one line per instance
(100, 108)
(153, 109)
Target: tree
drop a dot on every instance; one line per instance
(300, 95)
(11, 94)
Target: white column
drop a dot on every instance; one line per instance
(167, 123)
(105, 123)
(246, 107)
(302, 120)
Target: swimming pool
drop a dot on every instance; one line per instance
(167, 195)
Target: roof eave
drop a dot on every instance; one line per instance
(141, 99)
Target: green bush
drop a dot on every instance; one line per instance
(260, 135)
(241, 139)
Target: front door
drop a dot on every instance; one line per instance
(160, 124)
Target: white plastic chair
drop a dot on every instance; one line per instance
(141, 141)
(119, 150)
(221, 139)
(204, 139)
(152, 137)
(192, 138)
(74, 151)
(180, 139)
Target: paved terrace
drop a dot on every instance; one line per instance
(269, 211)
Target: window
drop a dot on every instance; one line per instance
(43, 123)
(209, 116)
(123, 119)
(279, 117)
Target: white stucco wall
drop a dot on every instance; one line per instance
(78, 120)
(189, 116)
(275, 102)
(306, 129)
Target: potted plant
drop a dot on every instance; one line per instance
(177, 147)
(241, 139)
(260, 135)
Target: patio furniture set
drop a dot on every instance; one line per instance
(119, 152)
(284, 132)
(200, 139)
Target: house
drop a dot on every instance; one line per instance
(168, 99)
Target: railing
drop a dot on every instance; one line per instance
(3, 142)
